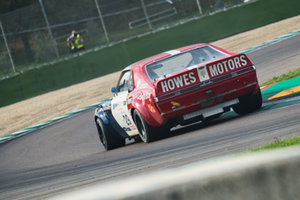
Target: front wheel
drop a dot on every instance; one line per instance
(248, 103)
(109, 139)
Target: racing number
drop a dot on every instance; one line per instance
(126, 119)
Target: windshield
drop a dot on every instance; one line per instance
(182, 61)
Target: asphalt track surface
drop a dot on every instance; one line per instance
(67, 155)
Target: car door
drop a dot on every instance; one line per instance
(119, 104)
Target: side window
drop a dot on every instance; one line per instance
(125, 82)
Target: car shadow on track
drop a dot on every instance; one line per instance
(180, 130)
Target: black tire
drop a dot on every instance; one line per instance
(248, 103)
(147, 132)
(109, 139)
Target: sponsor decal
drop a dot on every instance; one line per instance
(132, 127)
(174, 103)
(126, 119)
(203, 74)
(227, 65)
(151, 109)
(178, 81)
(142, 96)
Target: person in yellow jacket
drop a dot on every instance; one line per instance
(75, 42)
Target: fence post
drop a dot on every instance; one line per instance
(199, 6)
(49, 29)
(102, 21)
(146, 14)
(6, 44)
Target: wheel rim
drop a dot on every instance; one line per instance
(141, 128)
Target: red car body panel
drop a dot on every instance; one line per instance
(191, 89)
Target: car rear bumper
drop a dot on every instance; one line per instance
(211, 111)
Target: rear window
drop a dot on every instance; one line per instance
(183, 60)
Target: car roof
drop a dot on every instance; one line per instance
(163, 55)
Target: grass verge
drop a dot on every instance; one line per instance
(115, 58)
(289, 75)
(279, 144)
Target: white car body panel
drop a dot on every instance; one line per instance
(121, 113)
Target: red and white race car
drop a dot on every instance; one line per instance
(181, 86)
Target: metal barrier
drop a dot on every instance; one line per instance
(37, 33)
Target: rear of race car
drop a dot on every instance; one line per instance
(196, 82)
(201, 91)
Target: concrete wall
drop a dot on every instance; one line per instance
(256, 176)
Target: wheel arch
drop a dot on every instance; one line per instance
(107, 118)
(146, 114)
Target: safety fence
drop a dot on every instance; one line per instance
(37, 33)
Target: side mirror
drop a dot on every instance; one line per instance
(114, 90)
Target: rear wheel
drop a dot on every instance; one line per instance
(147, 132)
(109, 139)
(248, 103)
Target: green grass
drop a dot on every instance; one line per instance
(108, 60)
(289, 75)
(280, 144)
